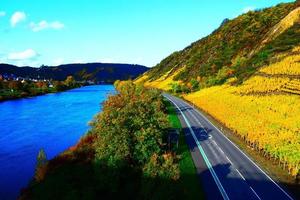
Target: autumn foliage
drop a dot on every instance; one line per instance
(131, 131)
(124, 154)
(263, 111)
(246, 74)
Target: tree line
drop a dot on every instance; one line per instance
(13, 89)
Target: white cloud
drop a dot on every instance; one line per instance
(42, 25)
(17, 17)
(23, 55)
(2, 13)
(58, 61)
(247, 9)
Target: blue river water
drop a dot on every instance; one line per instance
(53, 122)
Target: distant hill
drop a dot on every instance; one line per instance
(100, 72)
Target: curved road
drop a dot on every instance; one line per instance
(226, 172)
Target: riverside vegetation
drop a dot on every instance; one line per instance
(14, 89)
(124, 155)
(246, 74)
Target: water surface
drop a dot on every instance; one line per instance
(53, 122)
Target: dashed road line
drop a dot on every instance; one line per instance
(209, 166)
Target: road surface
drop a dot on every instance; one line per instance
(226, 172)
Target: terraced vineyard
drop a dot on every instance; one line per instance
(282, 76)
(292, 87)
(263, 111)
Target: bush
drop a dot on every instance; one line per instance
(131, 132)
(134, 121)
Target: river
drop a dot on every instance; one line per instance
(53, 122)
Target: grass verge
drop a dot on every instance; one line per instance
(188, 174)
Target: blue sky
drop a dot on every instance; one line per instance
(53, 32)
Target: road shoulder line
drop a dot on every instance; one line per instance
(213, 173)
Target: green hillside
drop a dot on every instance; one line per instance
(237, 48)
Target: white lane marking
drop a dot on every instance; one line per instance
(224, 154)
(241, 152)
(212, 171)
(216, 153)
(219, 148)
(212, 140)
(241, 174)
(255, 193)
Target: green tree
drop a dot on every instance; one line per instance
(176, 87)
(195, 84)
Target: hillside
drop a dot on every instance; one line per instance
(237, 48)
(106, 72)
(246, 74)
(264, 111)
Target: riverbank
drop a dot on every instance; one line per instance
(12, 95)
(9, 95)
(16, 89)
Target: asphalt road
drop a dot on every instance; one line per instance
(225, 171)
